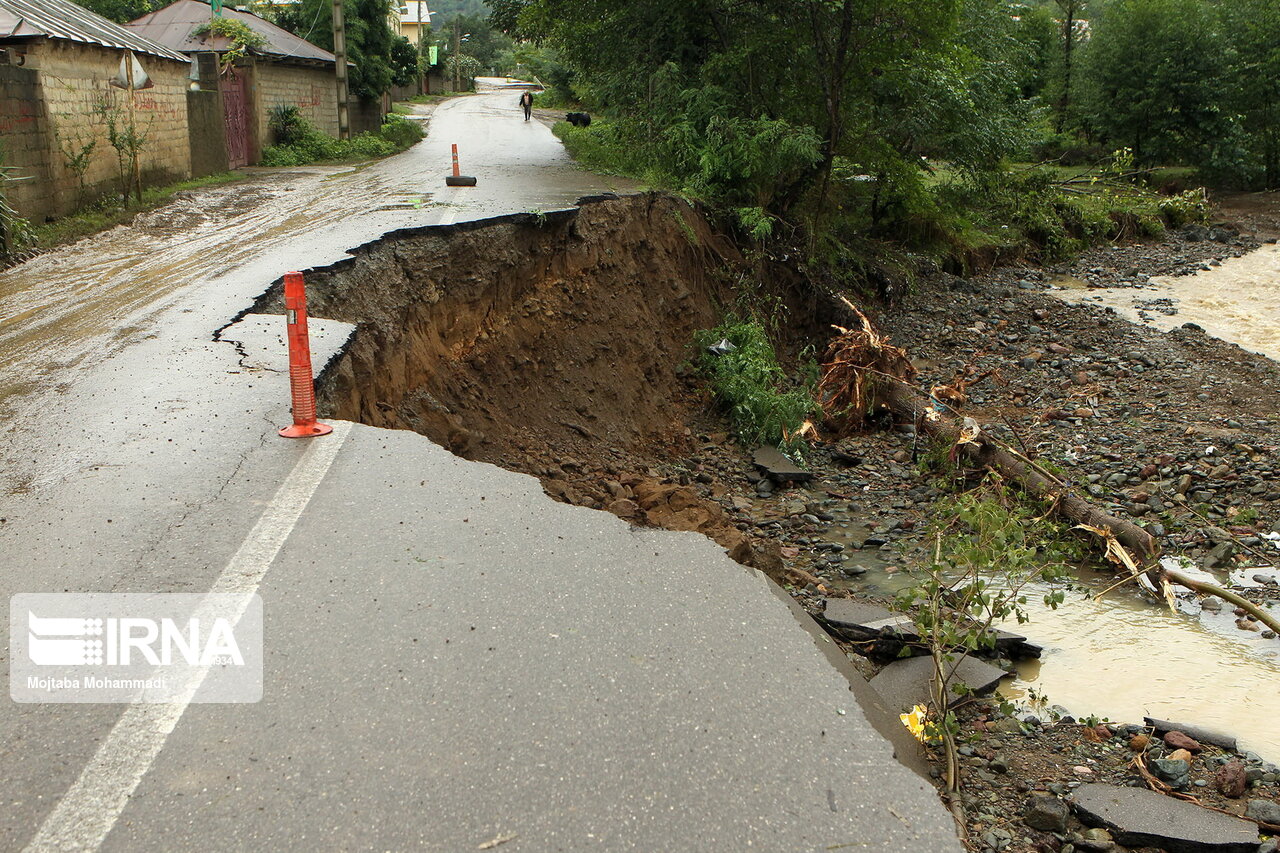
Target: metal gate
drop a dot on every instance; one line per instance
(235, 110)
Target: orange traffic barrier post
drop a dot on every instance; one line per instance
(457, 179)
(301, 381)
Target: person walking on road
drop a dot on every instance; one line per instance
(526, 102)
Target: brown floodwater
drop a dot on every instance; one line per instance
(1124, 658)
(1238, 301)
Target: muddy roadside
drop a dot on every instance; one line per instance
(565, 352)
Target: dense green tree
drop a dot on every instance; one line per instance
(1038, 56)
(1071, 36)
(447, 10)
(483, 42)
(693, 85)
(1252, 31)
(1156, 73)
(371, 44)
(123, 11)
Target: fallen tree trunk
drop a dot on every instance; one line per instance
(908, 403)
(863, 372)
(1225, 594)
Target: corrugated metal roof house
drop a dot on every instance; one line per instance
(285, 71)
(22, 20)
(175, 24)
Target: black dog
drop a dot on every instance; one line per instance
(578, 119)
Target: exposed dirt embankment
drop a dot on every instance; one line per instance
(550, 344)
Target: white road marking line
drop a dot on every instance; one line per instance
(90, 808)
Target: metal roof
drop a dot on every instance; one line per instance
(62, 19)
(172, 27)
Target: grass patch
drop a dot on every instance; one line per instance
(1056, 212)
(602, 149)
(110, 212)
(550, 99)
(436, 99)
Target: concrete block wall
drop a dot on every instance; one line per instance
(207, 132)
(74, 95)
(313, 91)
(366, 115)
(24, 142)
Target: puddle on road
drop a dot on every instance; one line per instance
(1238, 301)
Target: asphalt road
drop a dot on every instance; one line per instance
(451, 658)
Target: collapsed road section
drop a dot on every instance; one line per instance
(556, 344)
(524, 336)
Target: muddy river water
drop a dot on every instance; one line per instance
(1123, 658)
(1238, 301)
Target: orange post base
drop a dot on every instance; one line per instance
(306, 430)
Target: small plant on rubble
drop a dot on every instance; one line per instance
(988, 549)
(241, 37)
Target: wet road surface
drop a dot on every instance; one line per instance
(621, 690)
(68, 310)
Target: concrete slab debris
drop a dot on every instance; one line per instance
(1140, 818)
(905, 683)
(860, 621)
(778, 467)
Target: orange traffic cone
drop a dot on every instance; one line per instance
(456, 179)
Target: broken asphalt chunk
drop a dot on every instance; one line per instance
(778, 467)
(1137, 817)
(905, 683)
(1200, 733)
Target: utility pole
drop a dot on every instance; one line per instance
(340, 61)
(421, 75)
(457, 54)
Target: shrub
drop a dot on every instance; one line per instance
(1184, 208)
(308, 145)
(751, 385)
(286, 124)
(400, 131)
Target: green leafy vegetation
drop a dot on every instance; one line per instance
(123, 11)
(990, 549)
(381, 57)
(128, 139)
(16, 236)
(764, 406)
(917, 126)
(242, 37)
(300, 143)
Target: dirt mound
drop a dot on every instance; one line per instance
(562, 330)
